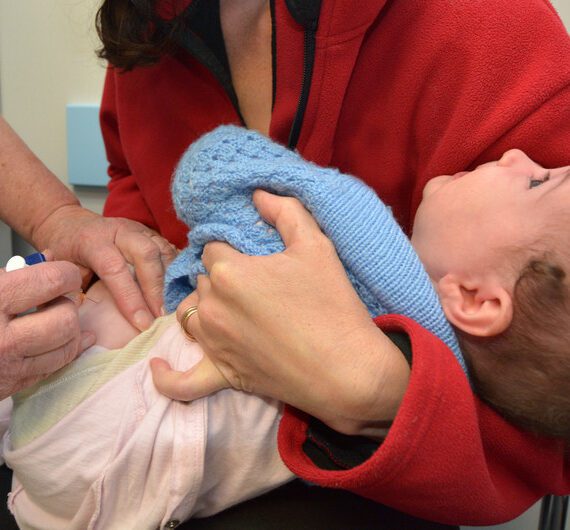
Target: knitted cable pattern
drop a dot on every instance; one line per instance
(212, 193)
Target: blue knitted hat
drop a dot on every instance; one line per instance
(212, 193)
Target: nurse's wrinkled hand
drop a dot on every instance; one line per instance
(289, 326)
(34, 345)
(110, 247)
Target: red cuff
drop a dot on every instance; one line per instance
(435, 462)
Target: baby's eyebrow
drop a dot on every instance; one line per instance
(565, 178)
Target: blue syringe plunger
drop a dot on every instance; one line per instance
(36, 257)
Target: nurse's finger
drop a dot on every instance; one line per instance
(150, 254)
(53, 327)
(30, 287)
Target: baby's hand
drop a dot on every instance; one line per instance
(201, 380)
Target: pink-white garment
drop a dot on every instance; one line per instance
(130, 458)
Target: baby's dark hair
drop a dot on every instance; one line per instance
(524, 373)
(131, 34)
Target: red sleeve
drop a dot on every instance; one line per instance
(447, 457)
(125, 198)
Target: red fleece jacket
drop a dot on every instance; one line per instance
(402, 91)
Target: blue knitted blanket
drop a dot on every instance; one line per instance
(212, 192)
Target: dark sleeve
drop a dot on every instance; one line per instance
(332, 450)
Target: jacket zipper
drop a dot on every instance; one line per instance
(306, 13)
(308, 64)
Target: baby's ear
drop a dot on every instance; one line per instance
(481, 307)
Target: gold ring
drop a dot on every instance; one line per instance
(184, 320)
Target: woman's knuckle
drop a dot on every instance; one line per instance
(232, 376)
(21, 341)
(68, 352)
(165, 247)
(125, 224)
(208, 314)
(53, 276)
(148, 250)
(291, 203)
(9, 343)
(9, 294)
(121, 227)
(223, 275)
(322, 244)
(113, 265)
(84, 237)
(68, 320)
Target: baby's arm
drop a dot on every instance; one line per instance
(203, 379)
(99, 314)
(200, 381)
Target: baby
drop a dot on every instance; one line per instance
(97, 446)
(496, 245)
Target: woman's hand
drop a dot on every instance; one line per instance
(289, 326)
(37, 344)
(108, 246)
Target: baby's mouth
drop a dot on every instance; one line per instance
(459, 175)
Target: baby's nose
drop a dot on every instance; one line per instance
(512, 157)
(516, 157)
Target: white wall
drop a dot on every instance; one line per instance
(46, 61)
(563, 8)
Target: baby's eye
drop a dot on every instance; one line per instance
(533, 183)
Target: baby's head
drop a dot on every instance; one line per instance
(496, 243)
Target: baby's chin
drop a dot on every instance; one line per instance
(100, 314)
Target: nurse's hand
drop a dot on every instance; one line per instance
(290, 326)
(108, 247)
(34, 345)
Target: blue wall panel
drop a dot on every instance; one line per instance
(86, 159)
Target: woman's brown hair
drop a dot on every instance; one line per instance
(132, 35)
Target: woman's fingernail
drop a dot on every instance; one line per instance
(163, 311)
(143, 319)
(77, 297)
(48, 254)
